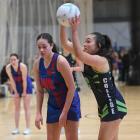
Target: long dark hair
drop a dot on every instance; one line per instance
(49, 38)
(14, 54)
(17, 56)
(105, 46)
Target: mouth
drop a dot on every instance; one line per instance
(85, 49)
(41, 53)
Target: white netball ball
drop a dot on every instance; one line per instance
(65, 12)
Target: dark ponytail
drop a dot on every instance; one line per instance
(49, 38)
(16, 55)
(55, 48)
(105, 46)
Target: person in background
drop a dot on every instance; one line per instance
(3, 75)
(22, 88)
(75, 65)
(4, 80)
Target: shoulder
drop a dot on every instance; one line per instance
(101, 64)
(62, 63)
(8, 66)
(22, 65)
(61, 59)
(8, 69)
(36, 63)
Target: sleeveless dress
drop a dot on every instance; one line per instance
(111, 105)
(17, 76)
(52, 81)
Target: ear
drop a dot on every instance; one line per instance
(51, 45)
(99, 45)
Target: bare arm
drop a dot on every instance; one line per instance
(39, 92)
(12, 82)
(24, 76)
(95, 61)
(64, 69)
(79, 66)
(66, 44)
(39, 96)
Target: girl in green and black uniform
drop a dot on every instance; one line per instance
(96, 56)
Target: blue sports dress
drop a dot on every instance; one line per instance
(52, 81)
(17, 76)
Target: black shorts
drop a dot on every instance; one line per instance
(112, 117)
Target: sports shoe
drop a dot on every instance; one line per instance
(15, 131)
(78, 131)
(27, 131)
(62, 130)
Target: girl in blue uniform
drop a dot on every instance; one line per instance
(22, 87)
(96, 56)
(53, 75)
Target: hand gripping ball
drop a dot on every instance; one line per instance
(65, 12)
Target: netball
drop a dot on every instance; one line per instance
(65, 12)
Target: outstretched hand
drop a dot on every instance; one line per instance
(74, 22)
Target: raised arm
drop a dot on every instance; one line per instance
(66, 44)
(95, 61)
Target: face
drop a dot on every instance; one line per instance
(14, 60)
(90, 45)
(44, 47)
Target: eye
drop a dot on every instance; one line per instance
(44, 47)
(39, 47)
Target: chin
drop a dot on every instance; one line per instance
(13, 65)
(42, 54)
(85, 50)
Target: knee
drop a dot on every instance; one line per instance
(72, 136)
(49, 137)
(17, 108)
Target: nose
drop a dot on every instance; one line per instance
(84, 45)
(41, 49)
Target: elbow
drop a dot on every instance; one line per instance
(77, 53)
(79, 56)
(39, 92)
(82, 68)
(72, 90)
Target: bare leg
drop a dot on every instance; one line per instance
(53, 131)
(17, 110)
(26, 101)
(109, 130)
(116, 136)
(71, 130)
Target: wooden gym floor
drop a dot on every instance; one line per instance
(89, 123)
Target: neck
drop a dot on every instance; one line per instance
(47, 59)
(15, 66)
